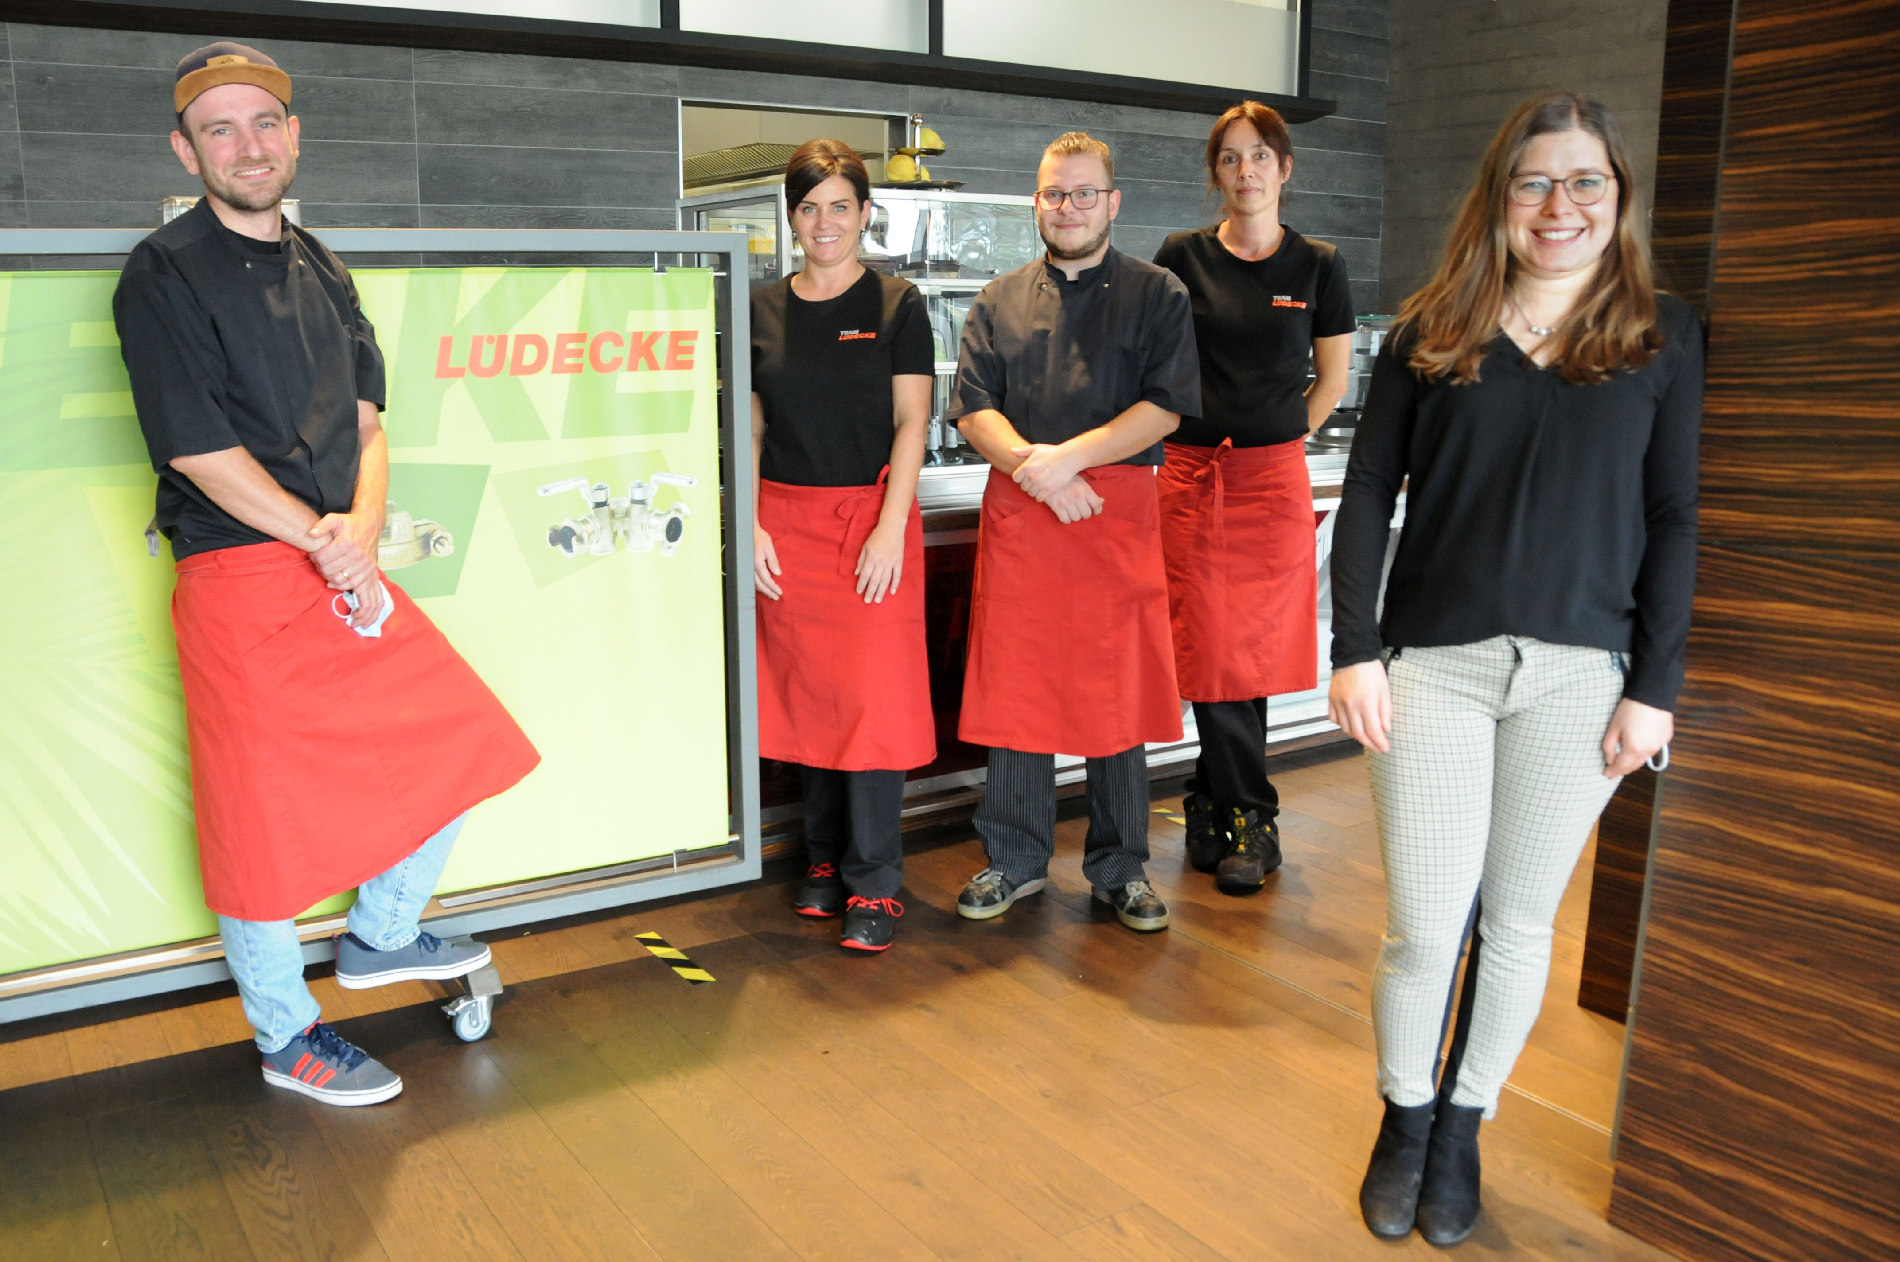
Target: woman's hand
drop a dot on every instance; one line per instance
(881, 563)
(765, 564)
(1637, 733)
(1360, 701)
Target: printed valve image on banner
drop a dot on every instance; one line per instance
(553, 507)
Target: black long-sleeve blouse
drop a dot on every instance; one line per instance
(1535, 507)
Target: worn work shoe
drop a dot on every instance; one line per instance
(822, 894)
(990, 893)
(427, 959)
(1137, 905)
(1448, 1196)
(325, 1066)
(1388, 1199)
(1206, 841)
(1255, 852)
(870, 923)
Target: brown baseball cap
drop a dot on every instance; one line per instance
(226, 62)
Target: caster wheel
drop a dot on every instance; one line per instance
(471, 1022)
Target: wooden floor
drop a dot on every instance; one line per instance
(1046, 1085)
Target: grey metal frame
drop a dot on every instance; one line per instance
(178, 966)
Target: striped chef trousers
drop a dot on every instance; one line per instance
(1017, 818)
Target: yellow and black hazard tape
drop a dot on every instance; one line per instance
(1167, 813)
(675, 959)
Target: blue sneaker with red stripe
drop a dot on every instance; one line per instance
(429, 958)
(325, 1066)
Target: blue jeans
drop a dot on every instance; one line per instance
(267, 961)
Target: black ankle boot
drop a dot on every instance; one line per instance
(1389, 1197)
(1206, 840)
(1448, 1199)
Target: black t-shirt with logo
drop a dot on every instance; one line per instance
(823, 371)
(1254, 323)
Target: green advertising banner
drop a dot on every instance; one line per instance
(554, 508)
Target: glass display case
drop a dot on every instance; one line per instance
(948, 244)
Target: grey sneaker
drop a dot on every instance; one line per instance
(428, 958)
(990, 893)
(1137, 905)
(325, 1066)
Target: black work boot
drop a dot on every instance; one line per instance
(1254, 853)
(1388, 1199)
(1206, 842)
(1448, 1198)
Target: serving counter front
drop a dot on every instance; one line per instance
(560, 430)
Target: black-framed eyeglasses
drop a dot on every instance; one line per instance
(1080, 198)
(1586, 188)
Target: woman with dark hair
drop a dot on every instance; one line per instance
(1542, 404)
(842, 359)
(1236, 501)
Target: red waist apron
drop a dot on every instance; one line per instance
(320, 757)
(1243, 588)
(1069, 624)
(842, 684)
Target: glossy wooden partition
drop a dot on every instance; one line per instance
(1688, 160)
(1761, 1116)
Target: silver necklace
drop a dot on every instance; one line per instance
(1538, 329)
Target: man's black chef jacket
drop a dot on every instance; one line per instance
(235, 342)
(1060, 357)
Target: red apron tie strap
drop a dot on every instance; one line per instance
(861, 512)
(1213, 482)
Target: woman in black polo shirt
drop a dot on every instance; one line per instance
(1541, 403)
(1236, 501)
(841, 374)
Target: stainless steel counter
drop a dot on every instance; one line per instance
(958, 488)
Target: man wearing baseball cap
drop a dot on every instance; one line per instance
(337, 741)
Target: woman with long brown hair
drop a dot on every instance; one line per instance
(841, 369)
(1542, 405)
(1236, 501)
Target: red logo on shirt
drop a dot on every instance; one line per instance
(853, 335)
(1287, 300)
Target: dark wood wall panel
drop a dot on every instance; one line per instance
(1689, 144)
(1761, 1116)
(1688, 160)
(1616, 897)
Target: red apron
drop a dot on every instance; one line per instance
(1069, 624)
(842, 684)
(1243, 587)
(321, 758)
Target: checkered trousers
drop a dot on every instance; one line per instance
(1494, 780)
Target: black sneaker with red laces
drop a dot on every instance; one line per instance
(870, 923)
(822, 894)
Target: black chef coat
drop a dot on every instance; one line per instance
(823, 372)
(1060, 357)
(234, 342)
(1254, 324)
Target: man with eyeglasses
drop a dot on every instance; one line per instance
(1071, 371)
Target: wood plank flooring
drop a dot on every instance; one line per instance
(1043, 1086)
